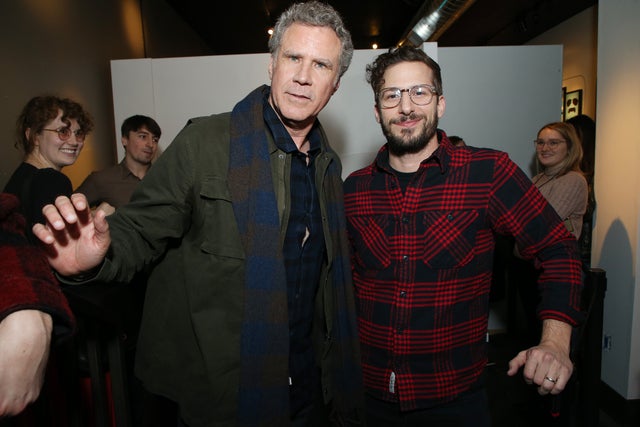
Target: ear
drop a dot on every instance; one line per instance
(35, 139)
(442, 104)
(270, 67)
(376, 113)
(336, 86)
(124, 141)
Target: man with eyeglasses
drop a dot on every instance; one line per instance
(422, 221)
(112, 187)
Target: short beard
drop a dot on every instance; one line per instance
(399, 146)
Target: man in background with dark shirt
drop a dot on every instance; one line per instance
(113, 187)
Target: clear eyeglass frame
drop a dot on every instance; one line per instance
(419, 94)
(552, 143)
(64, 133)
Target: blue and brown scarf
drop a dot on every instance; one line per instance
(263, 397)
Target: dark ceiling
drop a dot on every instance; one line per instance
(240, 26)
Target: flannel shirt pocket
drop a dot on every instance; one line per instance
(449, 238)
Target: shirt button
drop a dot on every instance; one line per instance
(403, 294)
(450, 217)
(405, 258)
(405, 220)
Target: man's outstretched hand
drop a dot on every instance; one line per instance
(75, 239)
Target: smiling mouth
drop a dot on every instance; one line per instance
(407, 121)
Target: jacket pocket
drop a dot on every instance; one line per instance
(449, 238)
(218, 226)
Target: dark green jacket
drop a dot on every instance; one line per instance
(181, 224)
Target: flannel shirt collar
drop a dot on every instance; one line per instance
(442, 155)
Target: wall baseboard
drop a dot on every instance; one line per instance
(623, 411)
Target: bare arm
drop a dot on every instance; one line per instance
(25, 337)
(76, 240)
(548, 364)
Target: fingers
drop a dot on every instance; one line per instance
(547, 369)
(101, 227)
(516, 363)
(552, 374)
(64, 211)
(106, 207)
(43, 233)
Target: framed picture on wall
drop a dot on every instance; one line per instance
(564, 96)
(572, 105)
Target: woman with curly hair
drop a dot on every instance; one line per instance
(51, 132)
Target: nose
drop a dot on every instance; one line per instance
(406, 105)
(303, 74)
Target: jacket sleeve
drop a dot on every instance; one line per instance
(159, 212)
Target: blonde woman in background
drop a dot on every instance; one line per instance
(562, 183)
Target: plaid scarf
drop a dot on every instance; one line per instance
(263, 397)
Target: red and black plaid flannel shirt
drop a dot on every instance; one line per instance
(422, 265)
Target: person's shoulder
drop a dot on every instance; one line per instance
(98, 176)
(208, 123)
(359, 174)
(24, 170)
(108, 171)
(46, 184)
(203, 130)
(484, 151)
(200, 139)
(50, 176)
(575, 178)
(470, 154)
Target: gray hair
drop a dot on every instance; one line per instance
(316, 14)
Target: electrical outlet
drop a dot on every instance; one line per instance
(607, 342)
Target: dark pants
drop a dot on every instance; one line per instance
(469, 410)
(315, 414)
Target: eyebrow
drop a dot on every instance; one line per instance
(326, 61)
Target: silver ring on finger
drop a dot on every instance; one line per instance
(551, 380)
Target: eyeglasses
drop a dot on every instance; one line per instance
(419, 95)
(65, 133)
(552, 143)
